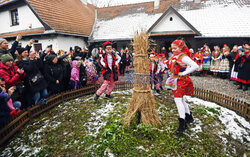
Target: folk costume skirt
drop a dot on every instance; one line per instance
(184, 87)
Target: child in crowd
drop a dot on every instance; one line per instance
(75, 71)
(92, 77)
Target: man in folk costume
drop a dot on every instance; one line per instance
(180, 66)
(109, 62)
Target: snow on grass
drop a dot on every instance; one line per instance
(96, 121)
(198, 125)
(228, 118)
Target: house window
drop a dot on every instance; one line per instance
(14, 17)
(171, 19)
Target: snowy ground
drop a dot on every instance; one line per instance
(234, 125)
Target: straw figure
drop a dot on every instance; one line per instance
(142, 100)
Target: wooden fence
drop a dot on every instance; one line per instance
(239, 106)
(25, 116)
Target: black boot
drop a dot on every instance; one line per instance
(245, 87)
(189, 118)
(240, 86)
(96, 97)
(108, 96)
(161, 88)
(158, 91)
(182, 126)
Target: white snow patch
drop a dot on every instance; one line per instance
(141, 148)
(227, 118)
(197, 127)
(95, 122)
(123, 27)
(107, 3)
(213, 21)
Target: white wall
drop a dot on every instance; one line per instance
(26, 17)
(172, 26)
(65, 42)
(58, 42)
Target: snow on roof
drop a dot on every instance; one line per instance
(107, 3)
(212, 21)
(123, 27)
(215, 21)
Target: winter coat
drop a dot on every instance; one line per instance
(78, 56)
(11, 51)
(244, 69)
(31, 68)
(4, 109)
(231, 58)
(75, 72)
(10, 75)
(66, 64)
(126, 59)
(53, 72)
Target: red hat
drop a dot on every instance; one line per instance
(161, 56)
(107, 43)
(179, 43)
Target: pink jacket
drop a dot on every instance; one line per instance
(74, 72)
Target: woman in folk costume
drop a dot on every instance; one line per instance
(153, 69)
(160, 69)
(109, 62)
(180, 66)
(206, 59)
(244, 69)
(224, 64)
(216, 57)
(234, 73)
(127, 60)
(198, 58)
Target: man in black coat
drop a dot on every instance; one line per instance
(78, 54)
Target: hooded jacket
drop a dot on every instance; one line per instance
(75, 72)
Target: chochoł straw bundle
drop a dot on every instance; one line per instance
(143, 100)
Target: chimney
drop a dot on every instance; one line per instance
(156, 4)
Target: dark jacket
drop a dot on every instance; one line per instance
(124, 60)
(231, 58)
(4, 109)
(53, 72)
(10, 51)
(78, 56)
(31, 68)
(244, 69)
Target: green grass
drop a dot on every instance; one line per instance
(66, 131)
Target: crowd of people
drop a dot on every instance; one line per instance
(232, 64)
(29, 77)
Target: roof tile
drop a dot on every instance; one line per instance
(66, 16)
